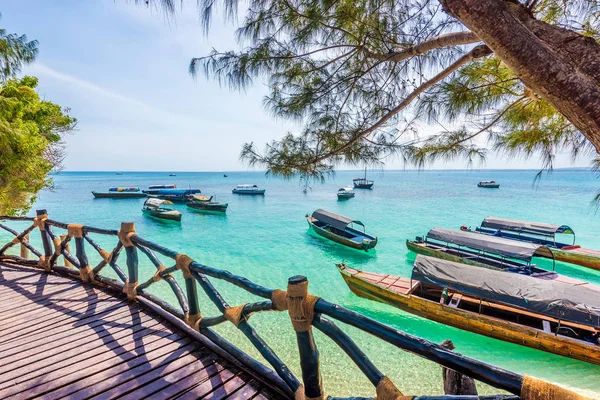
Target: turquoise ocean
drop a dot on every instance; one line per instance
(267, 240)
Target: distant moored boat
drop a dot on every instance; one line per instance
(119, 193)
(157, 208)
(248, 189)
(488, 184)
(363, 183)
(345, 193)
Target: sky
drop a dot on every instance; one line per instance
(122, 69)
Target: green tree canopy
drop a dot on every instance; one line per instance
(31, 132)
(363, 76)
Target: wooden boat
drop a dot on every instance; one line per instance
(488, 251)
(488, 184)
(156, 187)
(176, 195)
(544, 315)
(363, 183)
(338, 228)
(172, 174)
(205, 204)
(544, 234)
(345, 193)
(224, 175)
(248, 189)
(119, 173)
(157, 208)
(119, 193)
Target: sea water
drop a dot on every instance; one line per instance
(267, 240)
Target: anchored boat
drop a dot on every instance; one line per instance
(340, 229)
(345, 193)
(158, 208)
(544, 234)
(363, 183)
(156, 187)
(248, 189)
(488, 184)
(120, 193)
(545, 315)
(176, 195)
(205, 204)
(488, 251)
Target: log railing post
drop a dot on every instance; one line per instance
(40, 222)
(86, 273)
(24, 249)
(301, 306)
(193, 317)
(68, 249)
(125, 233)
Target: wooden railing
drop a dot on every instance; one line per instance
(305, 311)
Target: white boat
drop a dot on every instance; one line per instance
(345, 193)
(248, 189)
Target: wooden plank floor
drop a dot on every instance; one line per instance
(62, 339)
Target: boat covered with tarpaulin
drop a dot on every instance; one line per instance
(206, 204)
(341, 229)
(552, 316)
(488, 251)
(159, 208)
(545, 234)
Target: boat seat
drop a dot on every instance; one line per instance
(455, 300)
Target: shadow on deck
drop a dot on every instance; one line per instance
(61, 338)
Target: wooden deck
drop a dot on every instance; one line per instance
(60, 338)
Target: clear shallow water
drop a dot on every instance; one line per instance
(267, 240)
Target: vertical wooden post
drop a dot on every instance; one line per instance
(25, 250)
(41, 217)
(67, 248)
(309, 354)
(183, 262)
(127, 230)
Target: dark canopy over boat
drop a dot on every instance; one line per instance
(564, 302)
(491, 244)
(336, 220)
(536, 228)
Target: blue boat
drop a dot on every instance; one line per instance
(177, 195)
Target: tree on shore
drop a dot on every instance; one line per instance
(31, 130)
(362, 76)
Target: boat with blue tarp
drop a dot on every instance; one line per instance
(341, 229)
(177, 195)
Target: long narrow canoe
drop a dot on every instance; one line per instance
(338, 228)
(481, 316)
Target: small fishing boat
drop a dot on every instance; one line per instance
(488, 184)
(340, 229)
(156, 187)
(157, 208)
(345, 193)
(172, 174)
(490, 252)
(176, 195)
(120, 193)
(205, 204)
(545, 315)
(544, 234)
(224, 175)
(363, 183)
(248, 189)
(119, 173)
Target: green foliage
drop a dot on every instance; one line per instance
(31, 132)
(15, 50)
(350, 70)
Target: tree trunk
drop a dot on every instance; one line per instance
(560, 65)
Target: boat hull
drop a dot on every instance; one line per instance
(493, 186)
(426, 251)
(474, 322)
(163, 215)
(575, 257)
(341, 240)
(249, 192)
(345, 196)
(118, 195)
(198, 206)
